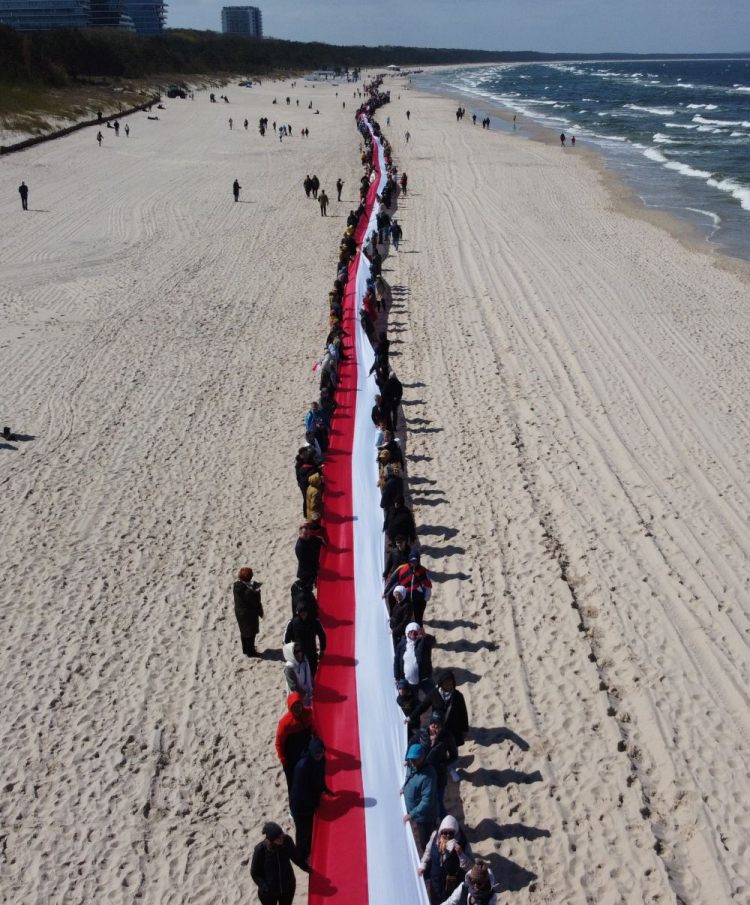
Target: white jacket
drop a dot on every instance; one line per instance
(297, 674)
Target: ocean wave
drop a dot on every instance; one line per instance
(654, 155)
(712, 216)
(657, 111)
(679, 126)
(687, 170)
(740, 192)
(701, 107)
(721, 122)
(660, 139)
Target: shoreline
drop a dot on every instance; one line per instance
(624, 196)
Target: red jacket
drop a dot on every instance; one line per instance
(413, 578)
(289, 725)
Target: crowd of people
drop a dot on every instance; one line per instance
(434, 712)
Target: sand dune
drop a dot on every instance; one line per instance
(576, 388)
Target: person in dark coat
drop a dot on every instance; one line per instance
(382, 350)
(236, 189)
(271, 866)
(248, 609)
(392, 392)
(23, 191)
(398, 555)
(308, 785)
(378, 412)
(308, 631)
(406, 699)
(400, 522)
(447, 698)
(392, 488)
(441, 752)
(446, 860)
(402, 613)
(393, 447)
(302, 590)
(307, 556)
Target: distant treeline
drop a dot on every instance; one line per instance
(60, 56)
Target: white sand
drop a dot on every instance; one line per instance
(580, 437)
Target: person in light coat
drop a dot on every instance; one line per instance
(297, 672)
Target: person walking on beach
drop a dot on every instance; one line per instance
(420, 794)
(99, 137)
(339, 186)
(403, 182)
(407, 136)
(246, 125)
(562, 139)
(127, 131)
(396, 233)
(315, 185)
(23, 191)
(230, 123)
(408, 114)
(573, 140)
(271, 866)
(236, 189)
(323, 202)
(308, 785)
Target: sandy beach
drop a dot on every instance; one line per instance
(579, 457)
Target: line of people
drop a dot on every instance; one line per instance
(451, 872)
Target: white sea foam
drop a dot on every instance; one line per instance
(712, 216)
(687, 170)
(702, 107)
(679, 126)
(653, 154)
(721, 122)
(657, 111)
(660, 139)
(740, 192)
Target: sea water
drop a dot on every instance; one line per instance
(677, 130)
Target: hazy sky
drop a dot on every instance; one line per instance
(638, 26)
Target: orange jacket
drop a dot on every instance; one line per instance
(289, 724)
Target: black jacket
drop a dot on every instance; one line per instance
(454, 711)
(304, 632)
(299, 593)
(395, 559)
(247, 607)
(392, 390)
(393, 488)
(401, 521)
(439, 755)
(307, 558)
(401, 615)
(271, 867)
(308, 785)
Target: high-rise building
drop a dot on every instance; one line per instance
(110, 14)
(41, 15)
(149, 16)
(242, 20)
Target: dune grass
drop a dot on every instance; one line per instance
(38, 110)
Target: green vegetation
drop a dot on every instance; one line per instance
(61, 56)
(34, 109)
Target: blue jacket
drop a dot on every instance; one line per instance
(311, 419)
(420, 795)
(308, 785)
